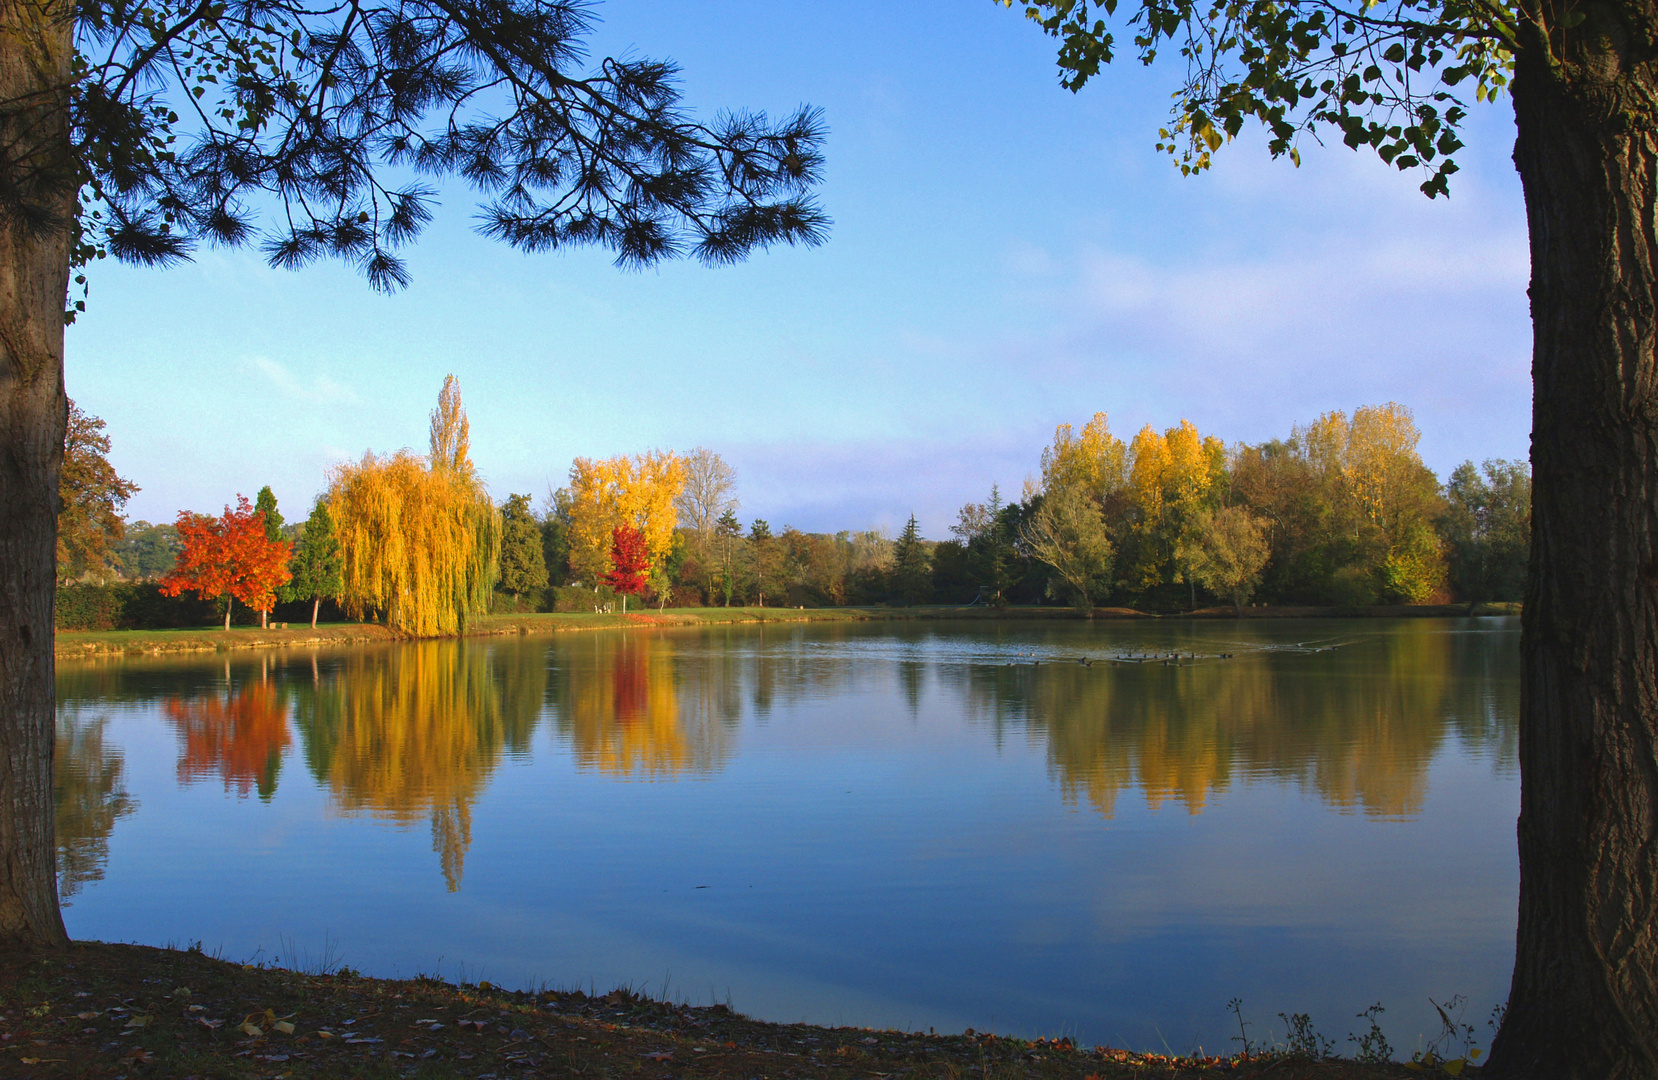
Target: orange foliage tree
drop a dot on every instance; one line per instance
(229, 556)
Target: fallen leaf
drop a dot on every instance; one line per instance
(659, 1055)
(284, 1027)
(210, 1025)
(252, 1029)
(139, 1021)
(88, 1015)
(198, 1008)
(138, 1056)
(326, 1035)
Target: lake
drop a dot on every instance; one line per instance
(913, 825)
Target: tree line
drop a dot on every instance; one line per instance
(1341, 512)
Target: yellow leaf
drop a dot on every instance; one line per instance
(326, 1035)
(252, 1029)
(1473, 1055)
(284, 1027)
(1454, 1067)
(139, 1021)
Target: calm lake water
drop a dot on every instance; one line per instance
(904, 825)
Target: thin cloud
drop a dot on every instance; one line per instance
(319, 390)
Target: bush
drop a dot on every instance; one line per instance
(577, 598)
(137, 605)
(1352, 586)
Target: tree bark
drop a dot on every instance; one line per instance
(316, 602)
(230, 602)
(34, 278)
(1584, 1000)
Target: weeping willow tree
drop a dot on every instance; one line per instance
(420, 539)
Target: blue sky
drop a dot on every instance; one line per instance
(1006, 256)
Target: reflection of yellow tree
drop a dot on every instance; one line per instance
(619, 704)
(414, 733)
(89, 798)
(1357, 727)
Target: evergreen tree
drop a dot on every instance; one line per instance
(266, 505)
(316, 562)
(728, 533)
(911, 569)
(523, 562)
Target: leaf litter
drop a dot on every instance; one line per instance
(247, 1022)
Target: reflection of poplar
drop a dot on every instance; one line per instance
(414, 733)
(88, 799)
(1359, 727)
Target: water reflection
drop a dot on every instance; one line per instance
(628, 706)
(240, 734)
(414, 734)
(1358, 726)
(89, 797)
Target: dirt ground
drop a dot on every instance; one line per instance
(128, 1011)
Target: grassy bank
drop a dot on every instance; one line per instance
(110, 1011)
(91, 643)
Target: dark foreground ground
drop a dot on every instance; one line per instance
(111, 1011)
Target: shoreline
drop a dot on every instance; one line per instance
(103, 1009)
(87, 644)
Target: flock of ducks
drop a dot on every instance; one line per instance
(1175, 658)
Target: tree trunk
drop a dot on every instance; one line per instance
(34, 279)
(316, 602)
(230, 602)
(1584, 1001)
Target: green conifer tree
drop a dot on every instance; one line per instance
(316, 562)
(911, 568)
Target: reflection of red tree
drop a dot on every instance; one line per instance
(240, 738)
(628, 679)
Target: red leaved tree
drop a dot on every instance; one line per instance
(229, 556)
(630, 562)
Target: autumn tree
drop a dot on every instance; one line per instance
(420, 540)
(315, 567)
(1067, 532)
(140, 130)
(1229, 550)
(90, 497)
(1394, 77)
(638, 491)
(710, 492)
(418, 546)
(229, 557)
(630, 562)
(523, 562)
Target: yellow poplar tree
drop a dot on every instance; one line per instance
(420, 541)
(1096, 462)
(638, 491)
